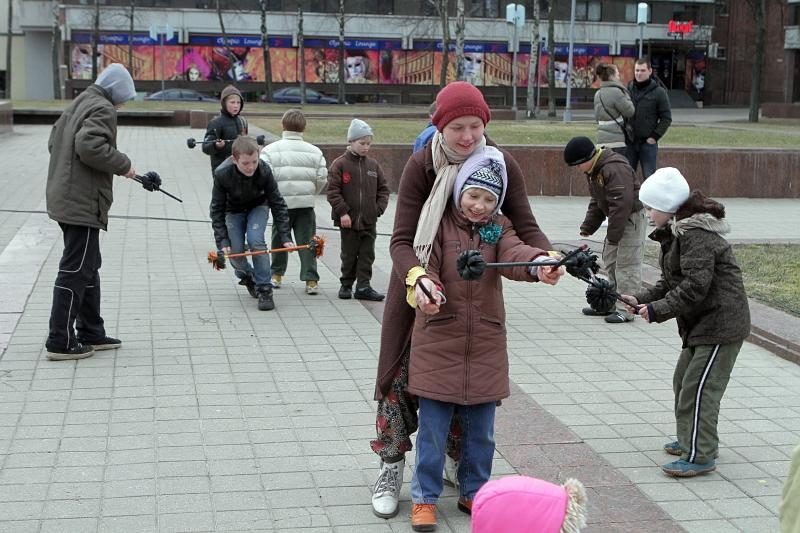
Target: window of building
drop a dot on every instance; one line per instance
(686, 13)
(591, 10)
(491, 8)
(632, 13)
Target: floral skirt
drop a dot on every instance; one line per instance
(397, 419)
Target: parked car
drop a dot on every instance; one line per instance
(291, 95)
(183, 95)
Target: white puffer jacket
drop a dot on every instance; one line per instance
(299, 168)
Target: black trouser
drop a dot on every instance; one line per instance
(76, 296)
(358, 254)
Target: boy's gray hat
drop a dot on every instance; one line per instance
(358, 128)
(118, 82)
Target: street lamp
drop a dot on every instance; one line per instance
(641, 20)
(515, 15)
(568, 108)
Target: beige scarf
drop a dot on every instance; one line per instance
(446, 163)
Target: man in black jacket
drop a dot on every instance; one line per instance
(244, 192)
(651, 119)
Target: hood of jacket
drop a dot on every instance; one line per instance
(229, 91)
(117, 82)
(705, 221)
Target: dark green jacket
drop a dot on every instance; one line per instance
(701, 284)
(83, 161)
(653, 114)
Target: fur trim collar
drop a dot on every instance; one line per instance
(704, 221)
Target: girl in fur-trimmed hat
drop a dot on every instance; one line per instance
(701, 287)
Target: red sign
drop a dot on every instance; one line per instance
(676, 26)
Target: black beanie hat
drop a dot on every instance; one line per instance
(579, 150)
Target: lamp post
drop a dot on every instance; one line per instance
(641, 20)
(515, 15)
(568, 107)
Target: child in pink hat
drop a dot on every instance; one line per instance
(521, 504)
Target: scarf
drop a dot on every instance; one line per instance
(446, 163)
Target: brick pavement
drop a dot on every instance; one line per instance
(215, 416)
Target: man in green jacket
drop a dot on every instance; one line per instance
(83, 160)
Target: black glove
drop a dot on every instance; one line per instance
(220, 262)
(470, 264)
(151, 181)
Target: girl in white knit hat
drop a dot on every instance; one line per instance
(701, 287)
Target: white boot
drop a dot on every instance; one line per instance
(386, 493)
(450, 474)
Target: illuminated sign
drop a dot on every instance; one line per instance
(677, 26)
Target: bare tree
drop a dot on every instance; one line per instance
(341, 87)
(225, 42)
(759, 8)
(460, 27)
(130, 37)
(265, 52)
(533, 63)
(301, 51)
(551, 60)
(95, 38)
(55, 47)
(445, 19)
(9, 40)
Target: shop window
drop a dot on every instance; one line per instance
(591, 10)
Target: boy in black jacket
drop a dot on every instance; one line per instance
(244, 192)
(225, 127)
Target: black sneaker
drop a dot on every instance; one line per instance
(105, 343)
(588, 311)
(265, 302)
(345, 292)
(250, 283)
(368, 293)
(76, 351)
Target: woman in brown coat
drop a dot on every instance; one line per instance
(461, 117)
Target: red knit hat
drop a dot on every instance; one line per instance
(459, 99)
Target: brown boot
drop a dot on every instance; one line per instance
(423, 517)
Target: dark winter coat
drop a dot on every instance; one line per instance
(415, 186)
(234, 192)
(83, 161)
(653, 114)
(224, 126)
(459, 354)
(701, 284)
(356, 187)
(614, 188)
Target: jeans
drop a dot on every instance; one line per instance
(304, 225)
(477, 448)
(76, 295)
(644, 153)
(251, 226)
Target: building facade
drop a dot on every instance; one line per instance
(393, 49)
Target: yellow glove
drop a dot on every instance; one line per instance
(411, 282)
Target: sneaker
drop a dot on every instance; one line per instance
(617, 317)
(386, 493)
(681, 468)
(250, 283)
(106, 343)
(423, 517)
(276, 281)
(673, 448)
(312, 287)
(368, 293)
(450, 474)
(265, 302)
(345, 292)
(588, 311)
(465, 505)
(76, 351)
